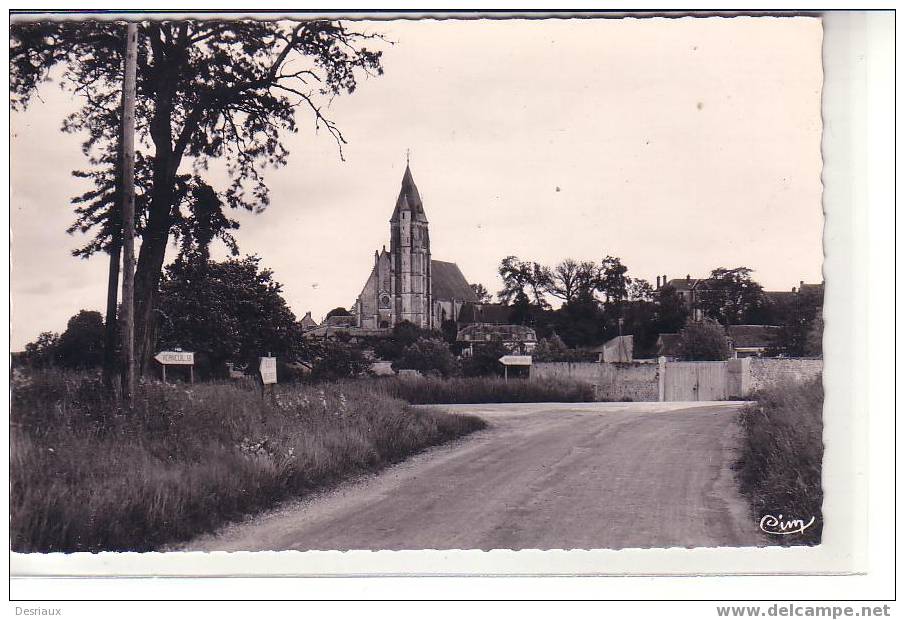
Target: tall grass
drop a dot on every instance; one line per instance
(87, 476)
(782, 454)
(432, 391)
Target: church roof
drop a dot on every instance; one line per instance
(409, 198)
(447, 282)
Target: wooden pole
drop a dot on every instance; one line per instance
(128, 212)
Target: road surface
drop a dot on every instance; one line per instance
(541, 476)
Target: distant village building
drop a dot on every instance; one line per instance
(744, 341)
(307, 322)
(406, 283)
(517, 339)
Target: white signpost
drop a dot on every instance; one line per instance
(268, 370)
(514, 360)
(177, 358)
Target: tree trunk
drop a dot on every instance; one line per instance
(110, 326)
(147, 278)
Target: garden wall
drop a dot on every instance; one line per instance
(634, 381)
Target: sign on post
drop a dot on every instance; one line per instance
(514, 360)
(268, 370)
(177, 358)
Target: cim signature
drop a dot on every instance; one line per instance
(777, 525)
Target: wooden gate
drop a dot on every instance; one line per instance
(686, 381)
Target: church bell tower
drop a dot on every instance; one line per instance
(410, 257)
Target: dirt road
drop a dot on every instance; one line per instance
(542, 476)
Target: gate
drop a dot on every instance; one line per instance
(684, 381)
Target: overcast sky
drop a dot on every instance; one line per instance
(677, 145)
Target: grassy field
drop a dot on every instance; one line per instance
(782, 453)
(86, 476)
(432, 391)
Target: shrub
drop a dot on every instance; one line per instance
(87, 476)
(485, 360)
(428, 356)
(703, 340)
(780, 465)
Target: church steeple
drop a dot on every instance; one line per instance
(409, 199)
(410, 257)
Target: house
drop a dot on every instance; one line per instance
(307, 322)
(619, 349)
(744, 341)
(478, 312)
(751, 340)
(517, 339)
(689, 289)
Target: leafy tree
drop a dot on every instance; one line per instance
(671, 313)
(613, 281)
(553, 349)
(42, 353)
(703, 340)
(338, 311)
(814, 342)
(334, 360)
(81, 346)
(430, 356)
(228, 311)
(580, 323)
(731, 297)
(640, 290)
(571, 280)
(523, 279)
(404, 334)
(798, 319)
(205, 90)
(482, 294)
(485, 360)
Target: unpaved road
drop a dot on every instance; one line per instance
(542, 476)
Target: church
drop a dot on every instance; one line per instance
(406, 284)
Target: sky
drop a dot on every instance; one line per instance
(678, 145)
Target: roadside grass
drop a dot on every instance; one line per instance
(779, 469)
(468, 390)
(87, 476)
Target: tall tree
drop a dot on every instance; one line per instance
(614, 282)
(571, 280)
(206, 90)
(227, 311)
(523, 278)
(481, 293)
(672, 312)
(81, 346)
(732, 297)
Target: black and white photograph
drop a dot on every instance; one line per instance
(301, 282)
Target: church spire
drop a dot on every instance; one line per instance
(409, 199)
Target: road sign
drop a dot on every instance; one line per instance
(175, 357)
(268, 370)
(178, 358)
(516, 360)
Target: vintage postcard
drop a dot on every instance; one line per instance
(505, 294)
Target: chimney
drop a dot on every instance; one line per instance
(658, 283)
(800, 284)
(664, 279)
(688, 278)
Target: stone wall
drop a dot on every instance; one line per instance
(634, 381)
(766, 370)
(641, 381)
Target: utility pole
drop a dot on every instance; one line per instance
(128, 213)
